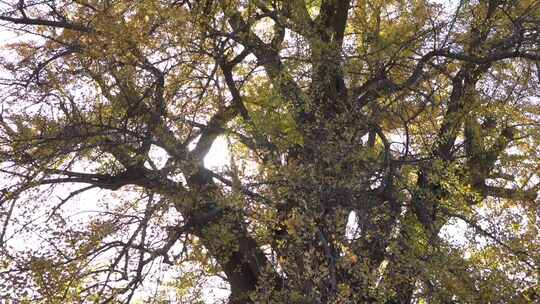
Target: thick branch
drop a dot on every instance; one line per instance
(44, 22)
(332, 20)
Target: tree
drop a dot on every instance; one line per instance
(361, 133)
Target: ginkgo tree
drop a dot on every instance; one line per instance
(363, 136)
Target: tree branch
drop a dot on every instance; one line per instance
(50, 23)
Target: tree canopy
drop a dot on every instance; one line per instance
(379, 151)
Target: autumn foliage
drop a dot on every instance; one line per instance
(376, 151)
